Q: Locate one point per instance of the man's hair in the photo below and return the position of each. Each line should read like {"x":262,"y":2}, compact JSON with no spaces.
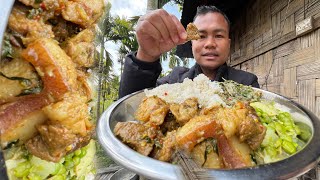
{"x":202,"y":10}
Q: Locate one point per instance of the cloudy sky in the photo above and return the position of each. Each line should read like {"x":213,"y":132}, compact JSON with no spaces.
{"x":127,"y":9}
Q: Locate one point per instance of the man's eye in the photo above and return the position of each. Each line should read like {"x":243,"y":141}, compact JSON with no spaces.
{"x":202,"y":36}
{"x":219,"y":36}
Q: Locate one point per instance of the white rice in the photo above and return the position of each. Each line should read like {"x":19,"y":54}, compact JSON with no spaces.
{"x":201,"y":88}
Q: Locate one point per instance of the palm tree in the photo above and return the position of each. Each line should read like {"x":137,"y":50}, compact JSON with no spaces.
{"x":123,"y":33}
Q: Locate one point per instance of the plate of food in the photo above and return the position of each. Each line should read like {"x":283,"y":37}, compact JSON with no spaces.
{"x":224,"y":130}
{"x":47,"y":94}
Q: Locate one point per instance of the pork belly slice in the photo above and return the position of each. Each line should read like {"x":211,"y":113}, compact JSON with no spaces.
{"x":230,"y":156}
{"x":22,"y":129}
{"x":202,"y":127}
{"x":138,"y":136}
{"x":58,"y":75}
{"x":54,"y":66}
{"x":196,"y":130}
{"x":15,"y":116}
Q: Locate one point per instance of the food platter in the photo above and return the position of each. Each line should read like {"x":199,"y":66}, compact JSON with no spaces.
{"x":123,"y":110}
{"x":34,"y":14}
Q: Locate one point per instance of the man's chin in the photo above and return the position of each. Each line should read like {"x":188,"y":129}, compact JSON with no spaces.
{"x":210,"y":65}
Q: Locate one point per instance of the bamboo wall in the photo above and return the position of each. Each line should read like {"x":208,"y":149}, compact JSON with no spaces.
{"x":264,"y":39}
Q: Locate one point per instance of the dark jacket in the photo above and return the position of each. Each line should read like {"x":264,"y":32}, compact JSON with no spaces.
{"x":138,"y":75}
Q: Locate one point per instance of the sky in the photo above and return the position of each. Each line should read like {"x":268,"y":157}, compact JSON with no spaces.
{"x":127,"y":9}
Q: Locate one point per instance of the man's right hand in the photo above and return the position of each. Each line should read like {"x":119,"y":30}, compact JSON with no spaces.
{"x":158,"y":32}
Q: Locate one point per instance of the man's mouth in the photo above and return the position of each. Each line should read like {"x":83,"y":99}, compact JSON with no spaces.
{"x":211,"y":54}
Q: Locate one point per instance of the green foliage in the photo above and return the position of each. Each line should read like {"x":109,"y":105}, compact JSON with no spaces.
{"x":109,"y":92}
{"x":174,"y":61}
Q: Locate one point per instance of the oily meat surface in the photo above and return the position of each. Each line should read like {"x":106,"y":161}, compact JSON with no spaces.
{"x":192,"y":32}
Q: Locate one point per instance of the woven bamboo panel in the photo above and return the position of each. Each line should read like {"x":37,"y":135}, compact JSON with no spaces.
{"x":318,"y":106}
{"x":307,"y":93}
{"x":317,"y":87}
{"x":266,"y":42}
{"x":290,"y":83}
{"x":300,"y":57}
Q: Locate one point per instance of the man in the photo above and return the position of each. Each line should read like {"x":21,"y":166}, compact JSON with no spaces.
{"x":158,"y":32}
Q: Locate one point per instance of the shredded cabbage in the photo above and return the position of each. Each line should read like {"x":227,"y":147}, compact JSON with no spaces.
{"x":76,"y":165}
{"x":283,"y":137}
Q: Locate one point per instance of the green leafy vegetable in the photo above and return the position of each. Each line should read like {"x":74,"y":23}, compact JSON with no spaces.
{"x":234,"y":92}
{"x":7,"y":50}
{"x":23,"y":81}
{"x":34,"y":13}
{"x":211,"y":146}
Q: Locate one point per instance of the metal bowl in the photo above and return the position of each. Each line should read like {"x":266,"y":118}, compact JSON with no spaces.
{"x":123,"y":110}
{"x":5,"y":10}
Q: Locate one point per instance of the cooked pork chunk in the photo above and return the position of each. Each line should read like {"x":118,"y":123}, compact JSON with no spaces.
{"x":72,"y":112}
{"x":56,"y":137}
{"x":169,"y":124}
{"x":167,"y":148}
{"x":206,"y":154}
{"x":241,"y":120}
{"x":185,"y":111}
{"x":81,"y":48}
{"x":251,"y":130}
{"x":192,"y":32}
{"x":137,"y":136}
{"x":31,"y":29}
{"x":54,"y":142}
{"x":10,"y":88}
{"x":48,"y":5}
{"x":83,"y":12}
{"x":152,"y":110}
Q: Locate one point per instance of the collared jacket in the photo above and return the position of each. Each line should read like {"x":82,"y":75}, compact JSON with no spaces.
{"x":138,"y":75}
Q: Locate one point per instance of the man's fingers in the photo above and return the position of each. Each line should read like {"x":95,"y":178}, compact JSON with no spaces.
{"x":171,"y":26}
{"x":145,"y":27}
{"x":181,"y":31}
{"x":165,"y":24}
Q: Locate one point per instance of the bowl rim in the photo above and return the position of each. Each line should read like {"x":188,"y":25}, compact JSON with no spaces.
{"x":293,"y":166}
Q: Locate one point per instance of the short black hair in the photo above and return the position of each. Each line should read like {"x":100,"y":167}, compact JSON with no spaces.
{"x":202,"y":10}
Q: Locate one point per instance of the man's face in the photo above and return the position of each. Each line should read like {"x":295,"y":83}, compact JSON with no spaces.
{"x":212,"y":50}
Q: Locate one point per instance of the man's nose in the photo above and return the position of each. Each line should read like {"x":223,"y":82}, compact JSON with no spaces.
{"x":210,"y":42}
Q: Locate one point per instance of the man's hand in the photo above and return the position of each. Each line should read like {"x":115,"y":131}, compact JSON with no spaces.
{"x":158,"y":32}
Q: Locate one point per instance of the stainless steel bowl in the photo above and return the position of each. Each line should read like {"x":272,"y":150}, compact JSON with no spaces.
{"x":123,"y":110}
{"x":5,"y":10}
